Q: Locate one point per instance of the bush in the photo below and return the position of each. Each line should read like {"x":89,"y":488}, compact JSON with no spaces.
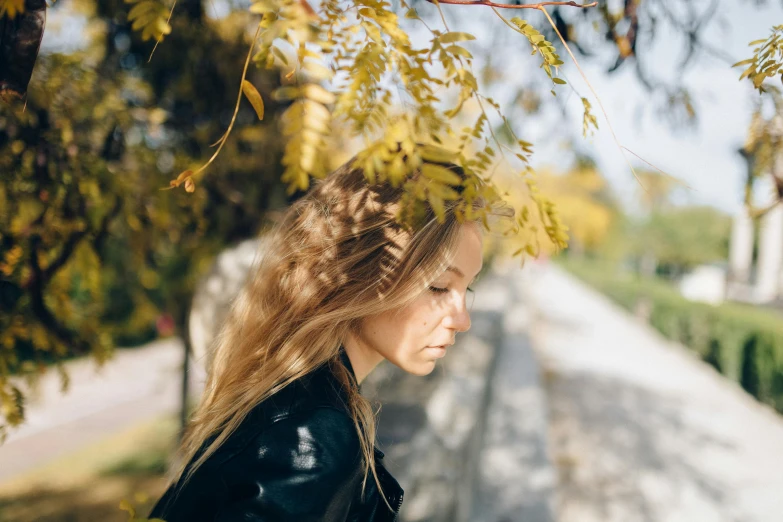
{"x":743,"y":342}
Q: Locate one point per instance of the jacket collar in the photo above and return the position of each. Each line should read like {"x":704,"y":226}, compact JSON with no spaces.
{"x":347,"y":363}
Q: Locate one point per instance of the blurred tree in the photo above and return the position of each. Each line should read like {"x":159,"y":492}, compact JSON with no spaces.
{"x":587,"y":206}
{"x":91,"y":250}
{"x":681,"y":238}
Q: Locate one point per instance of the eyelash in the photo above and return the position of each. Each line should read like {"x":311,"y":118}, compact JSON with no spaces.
{"x":443,"y":290}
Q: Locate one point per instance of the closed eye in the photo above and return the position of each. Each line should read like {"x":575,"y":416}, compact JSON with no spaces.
{"x":439,"y":290}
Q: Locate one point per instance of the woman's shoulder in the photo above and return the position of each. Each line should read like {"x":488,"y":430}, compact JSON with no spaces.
{"x":279,"y":460}
{"x":313,"y":404}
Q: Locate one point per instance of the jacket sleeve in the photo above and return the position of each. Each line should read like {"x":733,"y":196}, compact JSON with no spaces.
{"x":303,"y":468}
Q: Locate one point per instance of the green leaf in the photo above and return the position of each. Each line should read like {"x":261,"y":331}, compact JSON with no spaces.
{"x":559,"y":81}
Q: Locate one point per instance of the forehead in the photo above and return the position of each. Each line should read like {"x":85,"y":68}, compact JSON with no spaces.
{"x":467,"y":258}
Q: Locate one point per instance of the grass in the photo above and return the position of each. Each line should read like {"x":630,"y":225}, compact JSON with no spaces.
{"x":89,"y":484}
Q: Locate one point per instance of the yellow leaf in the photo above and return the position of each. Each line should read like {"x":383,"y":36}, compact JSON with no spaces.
{"x":288,"y":92}
{"x":181,"y":178}
{"x":12,"y":7}
{"x":252,"y":94}
{"x":126,"y":506}
{"x":456,"y":37}
{"x":458,"y":51}
{"x":439,"y":173}
{"x":437,"y":154}
{"x":317,"y":93}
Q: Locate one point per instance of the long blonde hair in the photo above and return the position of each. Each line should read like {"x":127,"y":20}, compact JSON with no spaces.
{"x":337,"y":255}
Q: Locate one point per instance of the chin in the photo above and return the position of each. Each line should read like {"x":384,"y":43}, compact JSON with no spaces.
{"x":422,"y":369}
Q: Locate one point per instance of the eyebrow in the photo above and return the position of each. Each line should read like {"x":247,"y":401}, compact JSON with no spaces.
{"x":459,"y":272}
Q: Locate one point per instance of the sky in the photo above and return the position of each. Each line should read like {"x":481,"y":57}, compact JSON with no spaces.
{"x":705,"y":158}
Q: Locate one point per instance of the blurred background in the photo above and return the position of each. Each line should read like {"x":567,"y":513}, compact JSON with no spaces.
{"x":637,"y":375}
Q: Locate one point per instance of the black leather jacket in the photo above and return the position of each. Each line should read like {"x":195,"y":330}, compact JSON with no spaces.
{"x":294,"y":458}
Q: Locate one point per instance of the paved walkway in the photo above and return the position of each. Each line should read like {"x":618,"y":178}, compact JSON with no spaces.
{"x":136,"y":385}
{"x":640,"y":429}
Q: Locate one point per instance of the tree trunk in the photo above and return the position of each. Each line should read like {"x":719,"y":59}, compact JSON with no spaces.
{"x":182,"y":327}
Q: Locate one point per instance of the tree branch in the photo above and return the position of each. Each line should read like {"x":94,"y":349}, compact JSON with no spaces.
{"x":507,"y":6}
{"x":65,"y":254}
{"x":48,"y":320}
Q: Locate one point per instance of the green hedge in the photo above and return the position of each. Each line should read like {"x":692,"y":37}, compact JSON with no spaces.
{"x":743,"y":342}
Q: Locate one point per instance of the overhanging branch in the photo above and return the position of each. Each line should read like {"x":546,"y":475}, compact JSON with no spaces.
{"x":508,"y":6}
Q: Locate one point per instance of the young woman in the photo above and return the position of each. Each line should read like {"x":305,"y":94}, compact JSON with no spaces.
{"x":282,"y":433}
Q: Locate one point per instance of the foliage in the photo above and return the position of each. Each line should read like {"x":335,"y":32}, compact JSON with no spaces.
{"x":150,"y":17}
{"x":764,"y":135}
{"x":762,"y":148}
{"x":683,"y":237}
{"x":766,"y":60}
{"x":91,"y":251}
{"x":743,"y":342}
{"x":57,"y":202}
{"x":368,"y":45}
{"x":587,"y":205}
{"x":11,"y":8}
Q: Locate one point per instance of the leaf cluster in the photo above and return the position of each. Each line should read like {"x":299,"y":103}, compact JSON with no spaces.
{"x":767,"y":59}
{"x":150,"y":17}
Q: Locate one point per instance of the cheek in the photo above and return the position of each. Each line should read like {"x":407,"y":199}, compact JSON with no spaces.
{"x":390,"y":332}
{"x":422,"y":316}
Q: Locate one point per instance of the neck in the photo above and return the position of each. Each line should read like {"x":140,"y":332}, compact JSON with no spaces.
{"x":363,"y":359}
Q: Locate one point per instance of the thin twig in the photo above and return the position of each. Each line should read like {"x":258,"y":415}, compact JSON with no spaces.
{"x":236,"y":108}
{"x":167,"y":23}
{"x":539,"y":5}
{"x":600,"y":104}
{"x":678,"y":180}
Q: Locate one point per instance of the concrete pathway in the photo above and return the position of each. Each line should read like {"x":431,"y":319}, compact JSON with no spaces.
{"x":640,"y":429}
{"x":136,"y":385}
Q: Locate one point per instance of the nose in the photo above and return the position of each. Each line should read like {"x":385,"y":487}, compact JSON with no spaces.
{"x":460,"y":317}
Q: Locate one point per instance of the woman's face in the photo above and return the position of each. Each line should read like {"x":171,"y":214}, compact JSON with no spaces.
{"x":408,"y":337}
